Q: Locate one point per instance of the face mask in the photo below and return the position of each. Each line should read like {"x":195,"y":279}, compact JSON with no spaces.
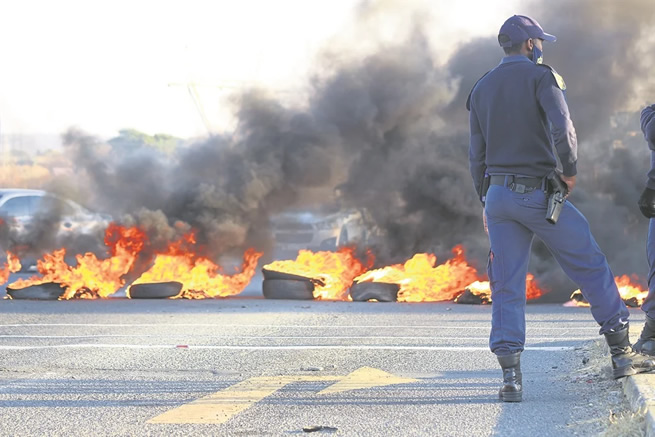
{"x":537,"y":55}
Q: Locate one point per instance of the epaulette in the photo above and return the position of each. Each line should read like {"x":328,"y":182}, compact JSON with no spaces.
{"x":468,"y":99}
{"x":559,"y":79}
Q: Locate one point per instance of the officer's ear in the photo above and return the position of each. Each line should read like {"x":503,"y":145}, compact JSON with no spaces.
{"x":529,"y":44}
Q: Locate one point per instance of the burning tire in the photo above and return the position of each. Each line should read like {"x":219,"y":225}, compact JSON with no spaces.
{"x":288,"y":289}
{"x":155,"y":290}
{"x":46,"y":291}
{"x":273,"y":274}
{"x":470,"y":298}
{"x":380,"y":291}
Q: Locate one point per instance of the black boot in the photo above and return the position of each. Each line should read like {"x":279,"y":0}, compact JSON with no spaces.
{"x":646,"y":343}
{"x":625,"y":361}
{"x":512,"y":390}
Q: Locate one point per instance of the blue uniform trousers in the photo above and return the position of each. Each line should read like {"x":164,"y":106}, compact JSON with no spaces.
{"x":649,"y":303}
{"x":513,"y":219}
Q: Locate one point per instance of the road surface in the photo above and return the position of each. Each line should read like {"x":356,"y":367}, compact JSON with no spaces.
{"x":249,"y":366}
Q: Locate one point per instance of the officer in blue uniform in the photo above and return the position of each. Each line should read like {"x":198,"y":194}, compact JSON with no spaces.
{"x":646,"y":342}
{"x":520,"y":134}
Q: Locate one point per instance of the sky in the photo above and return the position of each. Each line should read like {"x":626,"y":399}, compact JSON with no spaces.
{"x":106,"y":66}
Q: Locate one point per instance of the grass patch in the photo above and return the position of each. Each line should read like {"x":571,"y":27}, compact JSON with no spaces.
{"x":626,"y":424}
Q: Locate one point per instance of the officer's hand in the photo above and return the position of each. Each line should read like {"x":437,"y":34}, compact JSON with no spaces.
{"x":647,"y":203}
{"x":569,"y":181}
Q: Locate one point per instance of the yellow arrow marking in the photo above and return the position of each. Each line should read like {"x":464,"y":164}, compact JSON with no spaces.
{"x":366,"y":377}
{"x":219,"y":407}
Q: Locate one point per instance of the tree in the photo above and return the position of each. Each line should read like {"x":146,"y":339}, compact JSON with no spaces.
{"x":130,"y":139}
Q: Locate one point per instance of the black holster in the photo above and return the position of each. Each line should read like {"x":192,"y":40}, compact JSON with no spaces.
{"x":556,"y":191}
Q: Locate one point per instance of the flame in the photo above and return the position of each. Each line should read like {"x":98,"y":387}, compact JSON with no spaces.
{"x":483,"y":288}
{"x":421,"y":281}
{"x":332,"y":272}
{"x":91,"y":278}
{"x":12,"y":265}
{"x":629,"y":289}
{"x":480,"y":288}
{"x":201,"y":278}
{"x":532,"y":289}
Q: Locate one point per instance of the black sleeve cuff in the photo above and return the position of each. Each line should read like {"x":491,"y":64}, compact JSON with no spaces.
{"x":569,"y":169}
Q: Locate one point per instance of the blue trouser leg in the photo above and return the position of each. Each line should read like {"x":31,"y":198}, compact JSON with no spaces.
{"x":510,"y":243}
{"x":649,"y":303}
{"x":507,"y":268}
{"x":577,"y":252}
{"x":571,"y":243}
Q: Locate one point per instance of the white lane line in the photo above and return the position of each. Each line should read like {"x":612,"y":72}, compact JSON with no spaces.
{"x":170,"y":325}
{"x":295,"y":347}
{"x":284,"y":337}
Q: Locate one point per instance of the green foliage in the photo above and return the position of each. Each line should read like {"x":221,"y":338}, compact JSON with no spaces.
{"x":130,"y":139}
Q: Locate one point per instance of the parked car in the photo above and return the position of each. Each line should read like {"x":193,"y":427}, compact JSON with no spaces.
{"x":22,"y":208}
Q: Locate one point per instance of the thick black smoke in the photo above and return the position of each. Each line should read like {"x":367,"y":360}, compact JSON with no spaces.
{"x":224,"y":188}
{"x":390,"y":128}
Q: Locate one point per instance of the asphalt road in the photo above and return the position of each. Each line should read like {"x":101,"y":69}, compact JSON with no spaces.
{"x":247,"y":366}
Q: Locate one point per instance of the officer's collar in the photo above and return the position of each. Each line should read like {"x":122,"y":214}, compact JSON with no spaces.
{"x":514,"y":58}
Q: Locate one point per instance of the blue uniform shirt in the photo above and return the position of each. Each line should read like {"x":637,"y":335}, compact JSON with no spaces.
{"x":648,"y":128}
{"x":518,"y":113}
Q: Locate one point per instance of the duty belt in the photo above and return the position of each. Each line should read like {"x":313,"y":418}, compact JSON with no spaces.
{"x":516,"y":183}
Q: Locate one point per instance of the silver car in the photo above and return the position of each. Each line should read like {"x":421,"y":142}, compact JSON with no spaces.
{"x":22,"y":208}
{"x":321,"y":228}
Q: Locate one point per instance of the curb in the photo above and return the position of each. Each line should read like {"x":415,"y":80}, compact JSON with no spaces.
{"x":640,"y":391}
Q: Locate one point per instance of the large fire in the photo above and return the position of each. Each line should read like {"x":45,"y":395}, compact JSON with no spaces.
{"x":91,"y":278}
{"x":332,"y":272}
{"x":421,"y":280}
{"x":629,"y":289}
{"x":201,"y":278}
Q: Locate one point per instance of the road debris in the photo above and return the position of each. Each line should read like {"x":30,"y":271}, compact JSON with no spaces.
{"x":319,"y":428}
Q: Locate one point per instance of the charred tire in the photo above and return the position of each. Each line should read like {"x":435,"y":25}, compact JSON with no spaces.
{"x":468,"y":298}
{"x":287,"y":289}
{"x":155,"y":290}
{"x":272,"y":274}
{"x":380,"y":291}
{"x":46,"y":291}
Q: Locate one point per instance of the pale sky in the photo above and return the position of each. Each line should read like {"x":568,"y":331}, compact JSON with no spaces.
{"x":104,"y":66}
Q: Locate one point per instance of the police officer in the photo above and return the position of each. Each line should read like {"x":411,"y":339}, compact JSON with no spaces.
{"x":520,"y":133}
{"x":646,"y":342}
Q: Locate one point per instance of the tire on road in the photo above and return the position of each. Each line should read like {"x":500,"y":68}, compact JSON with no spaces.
{"x":155,"y":290}
{"x":468,"y":298}
{"x":45,"y":291}
{"x":288,"y":289}
{"x":273,"y":274}
{"x":380,"y":291}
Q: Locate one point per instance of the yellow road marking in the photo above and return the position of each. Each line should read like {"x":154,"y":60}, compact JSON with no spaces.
{"x":366,"y":377}
{"x":220,"y":407}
